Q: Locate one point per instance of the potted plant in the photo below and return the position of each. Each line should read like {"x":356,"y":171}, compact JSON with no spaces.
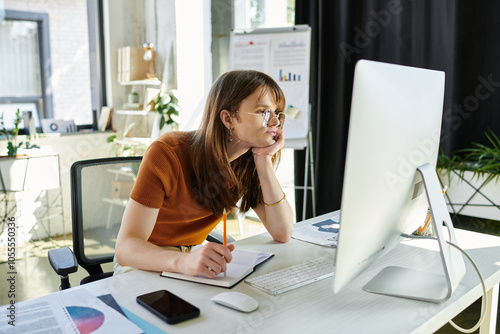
{"x":166,"y":104}
{"x":11,"y":135}
{"x":472,"y":176}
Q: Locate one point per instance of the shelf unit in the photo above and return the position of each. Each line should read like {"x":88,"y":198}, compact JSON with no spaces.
{"x":141,"y":85}
{"x":148,"y":82}
{"x":144,"y":120}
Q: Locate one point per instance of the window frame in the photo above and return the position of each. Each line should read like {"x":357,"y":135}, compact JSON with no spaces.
{"x":44,"y":101}
{"x":95,"y":14}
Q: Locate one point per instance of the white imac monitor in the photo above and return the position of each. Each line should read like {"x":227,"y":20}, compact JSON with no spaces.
{"x":390,"y":178}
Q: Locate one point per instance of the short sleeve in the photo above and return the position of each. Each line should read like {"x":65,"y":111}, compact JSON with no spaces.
{"x":157,"y":177}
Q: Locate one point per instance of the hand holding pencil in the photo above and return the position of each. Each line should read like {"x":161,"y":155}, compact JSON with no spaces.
{"x":211,"y":259}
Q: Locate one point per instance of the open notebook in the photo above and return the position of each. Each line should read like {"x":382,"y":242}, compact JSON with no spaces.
{"x":242,"y":264}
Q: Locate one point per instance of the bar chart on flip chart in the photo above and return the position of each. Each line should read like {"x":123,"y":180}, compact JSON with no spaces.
{"x":284,"y":54}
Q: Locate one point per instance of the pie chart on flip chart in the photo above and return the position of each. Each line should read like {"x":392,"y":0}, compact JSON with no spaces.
{"x":86,"y":319}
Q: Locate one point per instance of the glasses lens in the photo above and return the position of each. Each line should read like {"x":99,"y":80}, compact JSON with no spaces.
{"x":266,"y":116}
{"x":279,"y":118}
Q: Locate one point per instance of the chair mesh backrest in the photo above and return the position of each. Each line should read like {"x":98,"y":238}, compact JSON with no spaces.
{"x":102,"y":192}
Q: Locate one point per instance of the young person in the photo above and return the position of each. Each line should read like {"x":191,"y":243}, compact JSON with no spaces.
{"x":187,"y":179}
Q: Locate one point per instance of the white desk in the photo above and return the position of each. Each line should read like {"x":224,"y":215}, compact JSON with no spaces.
{"x":314,"y":308}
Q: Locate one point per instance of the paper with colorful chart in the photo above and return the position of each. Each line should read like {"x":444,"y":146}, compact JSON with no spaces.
{"x":69,"y":311}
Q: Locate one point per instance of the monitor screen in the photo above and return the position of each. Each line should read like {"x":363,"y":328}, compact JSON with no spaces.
{"x":395,"y":127}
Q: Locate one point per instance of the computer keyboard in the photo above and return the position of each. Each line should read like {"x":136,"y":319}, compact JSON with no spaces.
{"x":286,"y":279}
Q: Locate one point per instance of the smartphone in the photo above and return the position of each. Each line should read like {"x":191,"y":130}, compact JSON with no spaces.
{"x":168,"y":307}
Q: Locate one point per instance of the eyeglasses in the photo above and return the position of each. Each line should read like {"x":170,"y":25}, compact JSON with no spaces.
{"x":266,"y":117}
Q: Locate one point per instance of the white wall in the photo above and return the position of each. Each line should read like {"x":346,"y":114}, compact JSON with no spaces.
{"x":194,"y":37}
{"x":123,"y":22}
{"x":160,"y":29}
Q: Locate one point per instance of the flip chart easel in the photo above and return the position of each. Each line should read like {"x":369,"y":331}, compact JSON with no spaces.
{"x":284,"y":54}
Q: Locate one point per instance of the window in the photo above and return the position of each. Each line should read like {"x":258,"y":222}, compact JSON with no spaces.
{"x":24,"y":66}
{"x":64,"y":63}
{"x":244,"y":15}
{"x":253,"y":14}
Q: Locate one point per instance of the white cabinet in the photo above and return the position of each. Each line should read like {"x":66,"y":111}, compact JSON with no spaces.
{"x":30,"y":194}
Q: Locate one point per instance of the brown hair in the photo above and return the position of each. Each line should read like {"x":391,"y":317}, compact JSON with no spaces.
{"x":217,"y":183}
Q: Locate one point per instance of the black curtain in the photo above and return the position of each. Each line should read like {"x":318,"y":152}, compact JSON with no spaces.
{"x":457,"y":37}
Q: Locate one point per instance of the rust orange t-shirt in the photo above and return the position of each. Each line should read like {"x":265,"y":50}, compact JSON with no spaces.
{"x":164,"y":182}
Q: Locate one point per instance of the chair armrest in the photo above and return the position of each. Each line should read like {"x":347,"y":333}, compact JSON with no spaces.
{"x":63,"y":261}
{"x":218,"y":237}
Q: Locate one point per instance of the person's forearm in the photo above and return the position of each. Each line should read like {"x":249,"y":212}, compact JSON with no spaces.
{"x":140,"y":254}
{"x":278,"y":215}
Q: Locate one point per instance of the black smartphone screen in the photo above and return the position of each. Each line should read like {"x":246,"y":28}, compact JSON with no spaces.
{"x":169,"y":307}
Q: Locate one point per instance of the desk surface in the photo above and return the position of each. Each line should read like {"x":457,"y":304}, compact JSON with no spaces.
{"x":315,"y":308}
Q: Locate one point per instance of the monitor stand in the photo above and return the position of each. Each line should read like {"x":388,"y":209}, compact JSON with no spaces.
{"x":414,"y":284}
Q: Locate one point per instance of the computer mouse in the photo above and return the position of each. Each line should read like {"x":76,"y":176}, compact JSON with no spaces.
{"x":236,"y":300}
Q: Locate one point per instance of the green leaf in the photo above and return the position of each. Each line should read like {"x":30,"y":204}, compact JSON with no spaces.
{"x":479,"y":158}
{"x":162,"y":122}
{"x":111,"y":138}
{"x":166,"y":105}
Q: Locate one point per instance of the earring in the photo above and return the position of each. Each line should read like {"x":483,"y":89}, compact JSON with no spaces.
{"x":229,"y":134}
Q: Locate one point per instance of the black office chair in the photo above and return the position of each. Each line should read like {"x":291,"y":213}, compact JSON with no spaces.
{"x":100,"y":190}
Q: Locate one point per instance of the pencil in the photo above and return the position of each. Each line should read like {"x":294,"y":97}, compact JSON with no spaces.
{"x":422,"y":229}
{"x":225,"y":219}
{"x":224,"y":215}
{"x":429,"y":215}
